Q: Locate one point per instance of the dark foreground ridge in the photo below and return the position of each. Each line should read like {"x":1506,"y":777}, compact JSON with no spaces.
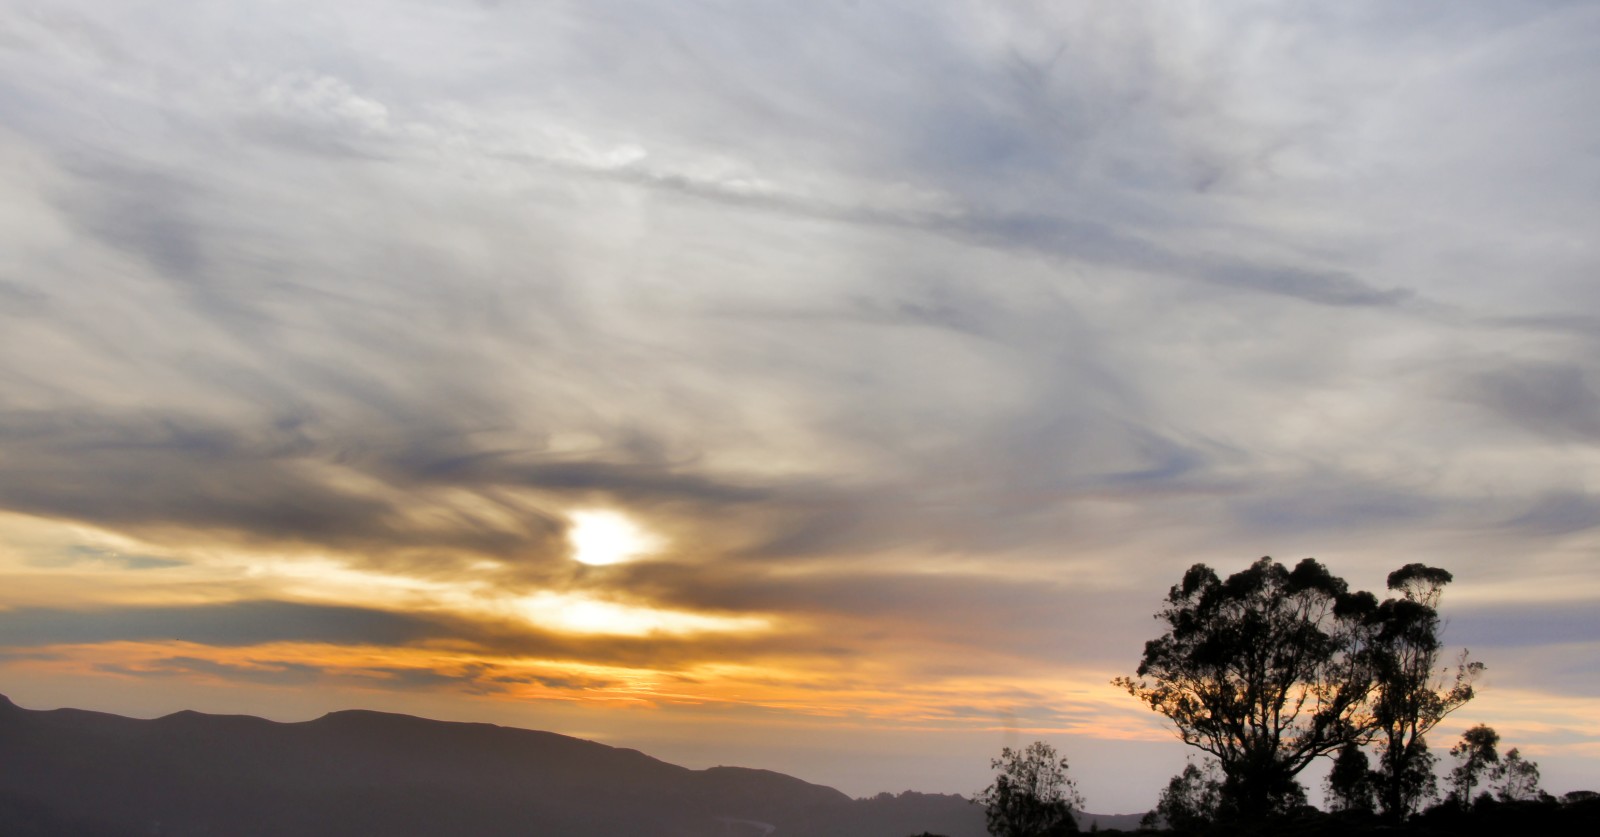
{"x":90,"y":774}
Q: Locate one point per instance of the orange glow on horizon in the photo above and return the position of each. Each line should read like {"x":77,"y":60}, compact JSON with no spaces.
{"x":878,"y":698}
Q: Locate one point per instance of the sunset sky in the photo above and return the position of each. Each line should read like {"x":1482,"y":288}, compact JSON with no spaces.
{"x":831,"y":387}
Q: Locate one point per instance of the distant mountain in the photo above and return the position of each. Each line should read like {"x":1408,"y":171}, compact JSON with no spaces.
{"x":89,"y":774}
{"x":1109,"y":822}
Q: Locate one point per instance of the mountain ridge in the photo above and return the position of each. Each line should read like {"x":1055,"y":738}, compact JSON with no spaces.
{"x":72,"y":771}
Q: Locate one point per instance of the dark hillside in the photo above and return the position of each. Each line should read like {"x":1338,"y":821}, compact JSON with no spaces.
{"x":75,"y":772}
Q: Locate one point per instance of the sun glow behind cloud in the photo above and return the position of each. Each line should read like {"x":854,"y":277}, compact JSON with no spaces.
{"x":600,"y":538}
{"x":562,"y":611}
{"x":47,"y":563}
{"x":590,"y":615}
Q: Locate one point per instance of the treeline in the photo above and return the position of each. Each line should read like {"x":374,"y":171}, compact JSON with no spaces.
{"x":1272,"y":668}
{"x":1486,"y":793}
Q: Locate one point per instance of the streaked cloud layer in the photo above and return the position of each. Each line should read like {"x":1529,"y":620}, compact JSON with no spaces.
{"x":929,"y":342}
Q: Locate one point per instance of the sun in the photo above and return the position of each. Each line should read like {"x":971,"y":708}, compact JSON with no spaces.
{"x":599,"y":538}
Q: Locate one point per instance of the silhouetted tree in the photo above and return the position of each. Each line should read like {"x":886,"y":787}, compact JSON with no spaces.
{"x":1410,"y":693}
{"x":1264,"y":671}
{"x":1032,"y":795}
{"x":1190,"y":800}
{"x":1516,"y":779}
{"x":1350,"y":785}
{"x":1475,"y":754}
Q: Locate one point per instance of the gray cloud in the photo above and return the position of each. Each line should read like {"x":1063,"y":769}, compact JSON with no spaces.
{"x":148,"y":213}
{"x":271,"y":672}
{"x":1329,"y":501}
{"x":1558,"y":513}
{"x":154,"y":470}
{"x":1552,"y":399}
{"x":233,"y":624}
{"x":1521,"y":626}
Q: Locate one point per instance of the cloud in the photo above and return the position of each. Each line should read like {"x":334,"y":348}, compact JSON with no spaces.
{"x":78,"y":555}
{"x":1521,"y":626}
{"x":1558,"y":513}
{"x":152,"y":471}
{"x":1329,"y":501}
{"x":232,"y":624}
{"x":246,"y":624}
{"x":271,"y":672}
{"x":473,"y":678}
{"x":1552,"y":399}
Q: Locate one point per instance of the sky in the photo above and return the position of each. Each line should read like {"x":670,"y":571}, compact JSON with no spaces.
{"x":829,"y":387}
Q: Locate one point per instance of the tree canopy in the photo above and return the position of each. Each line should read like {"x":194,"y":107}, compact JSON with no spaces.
{"x":1032,"y":795}
{"x":1260,"y":670}
{"x":1272,"y":668}
{"x":1190,"y":799}
{"x":1412,"y":693}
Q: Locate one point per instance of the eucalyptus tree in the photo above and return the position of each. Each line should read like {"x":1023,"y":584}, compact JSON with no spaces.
{"x":1477,"y":754}
{"x":1349,"y":783}
{"x":1412,"y":693}
{"x":1517,"y":779}
{"x":1266,"y":671}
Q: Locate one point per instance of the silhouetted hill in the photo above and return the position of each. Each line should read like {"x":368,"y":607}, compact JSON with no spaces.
{"x":69,"y":771}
